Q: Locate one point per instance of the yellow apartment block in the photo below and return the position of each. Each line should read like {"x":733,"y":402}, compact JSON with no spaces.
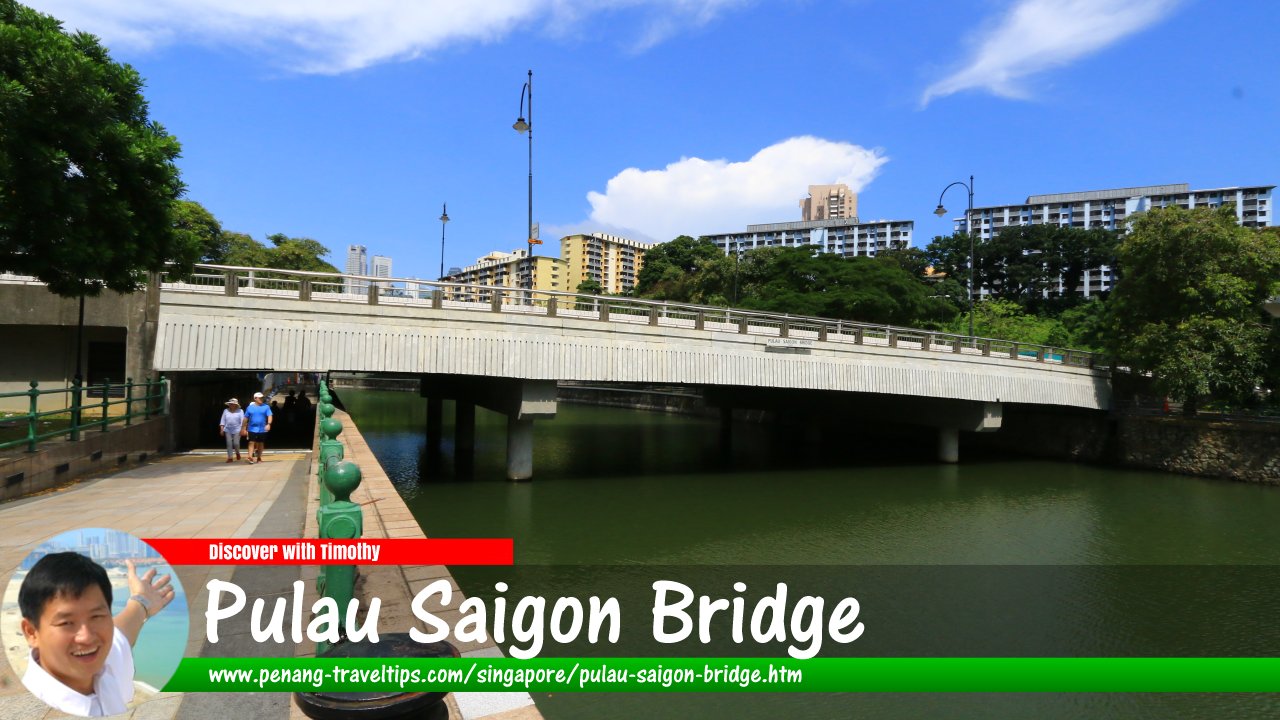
{"x":514,"y":269}
{"x":612,"y":261}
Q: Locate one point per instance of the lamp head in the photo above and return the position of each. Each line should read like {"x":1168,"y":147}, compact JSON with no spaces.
{"x":940,"y":211}
{"x":520,"y":125}
{"x":444,"y":217}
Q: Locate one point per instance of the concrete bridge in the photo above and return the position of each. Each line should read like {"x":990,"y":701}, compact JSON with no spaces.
{"x":506,"y":348}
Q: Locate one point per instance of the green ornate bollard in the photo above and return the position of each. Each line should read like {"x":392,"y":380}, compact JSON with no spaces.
{"x":340,"y":520}
{"x":33,"y":418}
{"x":128,"y":401}
{"x":76,"y":397}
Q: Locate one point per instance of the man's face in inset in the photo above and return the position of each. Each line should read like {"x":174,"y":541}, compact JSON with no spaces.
{"x":73,"y":637}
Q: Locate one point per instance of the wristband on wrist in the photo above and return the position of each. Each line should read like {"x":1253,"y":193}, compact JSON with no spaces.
{"x":146,"y":606}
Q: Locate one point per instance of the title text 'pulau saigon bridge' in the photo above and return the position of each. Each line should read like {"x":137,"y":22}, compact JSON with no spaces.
{"x":506,"y":348}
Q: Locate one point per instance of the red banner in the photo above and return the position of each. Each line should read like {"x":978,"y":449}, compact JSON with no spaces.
{"x":297,"y":551}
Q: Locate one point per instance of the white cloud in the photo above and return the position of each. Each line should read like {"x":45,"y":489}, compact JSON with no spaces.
{"x":698,"y":197}
{"x":332,"y":37}
{"x":1036,"y":35}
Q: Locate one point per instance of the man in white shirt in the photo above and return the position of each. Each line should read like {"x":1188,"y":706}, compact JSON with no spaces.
{"x":81,"y":657}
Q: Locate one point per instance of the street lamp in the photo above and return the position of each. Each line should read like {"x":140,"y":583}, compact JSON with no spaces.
{"x":444,"y":218}
{"x":968,"y":227}
{"x":521,"y":126}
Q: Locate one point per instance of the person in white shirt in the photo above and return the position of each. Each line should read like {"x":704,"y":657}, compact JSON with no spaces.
{"x":81,"y":657}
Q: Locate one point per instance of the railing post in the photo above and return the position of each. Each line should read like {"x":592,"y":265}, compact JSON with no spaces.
{"x":231,"y":284}
{"x":653,"y":315}
{"x":437,"y":299}
{"x":926,"y":342}
{"x":1013,"y":351}
{"x":1040,"y":355}
{"x":551,"y":306}
{"x":128,"y":402}
{"x":495,"y":300}
{"x":76,"y":397}
{"x":603,"y":306}
{"x":857,"y":336}
{"x":340,"y":520}
{"x":955,"y":345}
{"x":106,"y":400}
{"x":893,"y":338}
{"x":304,"y":289}
{"x":744,"y":326}
{"x":822,"y":333}
{"x":31,"y":418}
{"x":784,"y":330}
{"x":373,"y":293}
{"x":700,"y":320}
{"x":986,"y":348}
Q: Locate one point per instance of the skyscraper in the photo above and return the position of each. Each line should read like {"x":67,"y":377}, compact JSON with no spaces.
{"x":357,"y":264}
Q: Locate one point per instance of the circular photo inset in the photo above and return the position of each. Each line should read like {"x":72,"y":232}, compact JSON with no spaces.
{"x":94,"y":622}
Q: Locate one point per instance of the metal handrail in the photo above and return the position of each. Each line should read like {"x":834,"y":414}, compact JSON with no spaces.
{"x":501,"y":298}
{"x":152,"y":400}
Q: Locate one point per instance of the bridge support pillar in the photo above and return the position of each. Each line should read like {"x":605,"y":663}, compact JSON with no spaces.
{"x":948,"y":445}
{"x":519,"y":448}
{"x":464,"y":437}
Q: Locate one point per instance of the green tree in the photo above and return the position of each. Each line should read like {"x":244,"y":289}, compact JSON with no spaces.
{"x":244,"y":251}
{"x":198,"y":227}
{"x":589,"y":287}
{"x":1187,"y":306}
{"x":297,"y":254}
{"x":795,"y":280}
{"x":671,"y":268}
{"x":88,"y":180}
{"x":1006,"y":320}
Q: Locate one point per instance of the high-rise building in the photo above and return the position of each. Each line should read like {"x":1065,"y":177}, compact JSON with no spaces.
{"x":357,"y":264}
{"x":830,"y":202}
{"x":514,"y":269}
{"x":1110,"y":208}
{"x":610,"y":260}
{"x":849,"y":238}
{"x":380,"y":266}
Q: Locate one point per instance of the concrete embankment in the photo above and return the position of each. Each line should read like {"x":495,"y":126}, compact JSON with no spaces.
{"x":387,"y":516}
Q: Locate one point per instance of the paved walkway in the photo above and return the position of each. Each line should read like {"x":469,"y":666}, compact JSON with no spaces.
{"x":202,"y":496}
{"x":176,"y":496}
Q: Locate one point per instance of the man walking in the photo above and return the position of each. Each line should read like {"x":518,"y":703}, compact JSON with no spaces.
{"x":258,"y":415}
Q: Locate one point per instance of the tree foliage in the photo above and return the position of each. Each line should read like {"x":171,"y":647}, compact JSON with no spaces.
{"x":682,"y":271}
{"x":1188,"y":305}
{"x":285,"y":253}
{"x":199,"y":228}
{"x":87,"y":179}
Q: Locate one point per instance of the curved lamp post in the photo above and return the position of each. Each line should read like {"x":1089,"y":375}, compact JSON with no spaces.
{"x":968,"y":228}
{"x":522,"y":126}
{"x":444,"y":218}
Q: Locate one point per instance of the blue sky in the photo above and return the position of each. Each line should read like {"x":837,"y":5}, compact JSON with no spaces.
{"x":354,"y":122}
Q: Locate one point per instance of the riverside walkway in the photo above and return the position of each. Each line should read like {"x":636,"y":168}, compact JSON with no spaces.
{"x":202,"y":496}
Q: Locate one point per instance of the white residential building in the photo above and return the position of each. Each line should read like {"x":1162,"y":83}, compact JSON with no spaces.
{"x":1110,"y":208}
{"x":846,"y":237}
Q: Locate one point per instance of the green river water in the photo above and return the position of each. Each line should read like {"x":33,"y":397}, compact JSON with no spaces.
{"x":995,"y":556}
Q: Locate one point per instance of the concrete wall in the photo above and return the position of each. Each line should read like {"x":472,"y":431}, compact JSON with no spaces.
{"x":39,"y":331}
{"x":56,"y":462}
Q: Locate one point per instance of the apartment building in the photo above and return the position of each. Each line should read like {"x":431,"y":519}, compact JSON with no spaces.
{"x":1110,"y":209}
{"x":846,"y":237}
{"x":514,"y":269}
{"x":829,"y":202}
{"x":610,"y":260}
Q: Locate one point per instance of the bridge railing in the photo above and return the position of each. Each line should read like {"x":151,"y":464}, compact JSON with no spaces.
{"x":71,"y":416}
{"x":331,"y":287}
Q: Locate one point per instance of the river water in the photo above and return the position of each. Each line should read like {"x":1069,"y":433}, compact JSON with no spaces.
{"x":995,"y":556}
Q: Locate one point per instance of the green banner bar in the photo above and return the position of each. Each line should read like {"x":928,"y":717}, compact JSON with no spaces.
{"x":729,"y":675}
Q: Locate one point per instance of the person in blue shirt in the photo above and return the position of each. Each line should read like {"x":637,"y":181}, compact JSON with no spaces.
{"x":258,"y":416}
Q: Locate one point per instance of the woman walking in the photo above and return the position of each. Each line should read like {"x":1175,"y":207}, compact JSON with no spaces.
{"x":230,"y":426}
